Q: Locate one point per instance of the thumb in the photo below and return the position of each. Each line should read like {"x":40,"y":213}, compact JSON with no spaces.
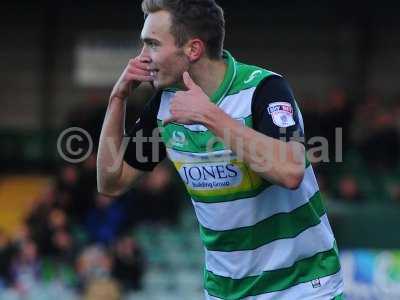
{"x":188,"y":81}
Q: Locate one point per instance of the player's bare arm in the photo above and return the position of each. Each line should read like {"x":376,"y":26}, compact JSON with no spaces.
{"x":114,"y":176}
{"x":277,"y":161}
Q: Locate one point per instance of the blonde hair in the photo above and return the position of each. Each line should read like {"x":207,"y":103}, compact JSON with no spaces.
{"x":203,"y":19}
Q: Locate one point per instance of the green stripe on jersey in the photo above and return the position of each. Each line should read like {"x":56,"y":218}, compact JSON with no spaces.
{"x":279,"y":226}
{"x":194,"y":141}
{"x":320,"y":265}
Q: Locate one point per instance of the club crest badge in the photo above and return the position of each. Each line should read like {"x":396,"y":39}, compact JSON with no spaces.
{"x":316,"y":283}
{"x":281,"y":113}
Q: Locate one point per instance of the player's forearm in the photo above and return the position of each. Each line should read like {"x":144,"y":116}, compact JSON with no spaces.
{"x":276,"y":161}
{"x":109,"y":157}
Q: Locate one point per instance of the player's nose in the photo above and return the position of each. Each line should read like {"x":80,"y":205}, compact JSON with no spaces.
{"x":144,"y":56}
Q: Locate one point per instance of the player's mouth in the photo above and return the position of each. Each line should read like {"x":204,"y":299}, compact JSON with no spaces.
{"x":154,"y":72}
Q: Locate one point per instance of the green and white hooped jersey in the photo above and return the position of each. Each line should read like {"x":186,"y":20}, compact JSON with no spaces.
{"x":261,"y":241}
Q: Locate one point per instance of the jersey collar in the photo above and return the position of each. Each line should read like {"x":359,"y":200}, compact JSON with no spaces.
{"x":228,"y":80}
{"x":226,"y":84}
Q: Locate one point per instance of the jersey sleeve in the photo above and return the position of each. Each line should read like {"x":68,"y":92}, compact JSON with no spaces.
{"x":145,"y":148}
{"x":275,"y":111}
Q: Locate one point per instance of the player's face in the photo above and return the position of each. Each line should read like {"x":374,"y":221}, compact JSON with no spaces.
{"x":167,"y":62}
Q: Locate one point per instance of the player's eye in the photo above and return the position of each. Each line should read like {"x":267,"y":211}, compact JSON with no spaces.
{"x":152,"y":44}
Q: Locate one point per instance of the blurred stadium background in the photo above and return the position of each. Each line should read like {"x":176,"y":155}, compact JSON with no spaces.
{"x":58,"y":62}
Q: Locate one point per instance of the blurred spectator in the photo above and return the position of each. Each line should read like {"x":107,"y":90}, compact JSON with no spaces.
{"x":60,"y":265}
{"x":381,"y":149}
{"x":310,"y":108}
{"x":103,"y":289}
{"x":376,"y":135}
{"x":157,"y":197}
{"x":89,"y":114}
{"x":396,"y":113}
{"x":63,"y":245}
{"x":94,"y":263}
{"x":323,"y":184}
{"x":38,"y":216}
{"x":22,"y":234}
{"x":26,"y":267}
{"x":128,"y":263}
{"x":84,"y":198}
{"x":75,"y":188}
{"x":68,"y":177}
{"x":67,"y":181}
{"x":6,"y":253}
{"x":336,"y":113}
{"x":55,"y":220}
{"x":348,"y":189}
{"x":106,"y":220}
{"x":394,"y":190}
{"x":365,"y":112}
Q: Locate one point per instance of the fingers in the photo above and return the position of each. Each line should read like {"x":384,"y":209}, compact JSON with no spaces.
{"x":138,"y":71}
{"x":138,"y":77}
{"x":135,"y":64}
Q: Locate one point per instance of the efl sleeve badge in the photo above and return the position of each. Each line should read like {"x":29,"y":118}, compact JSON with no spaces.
{"x":281,"y":113}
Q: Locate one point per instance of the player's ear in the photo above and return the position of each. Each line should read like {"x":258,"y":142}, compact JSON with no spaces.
{"x":194,"y":49}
